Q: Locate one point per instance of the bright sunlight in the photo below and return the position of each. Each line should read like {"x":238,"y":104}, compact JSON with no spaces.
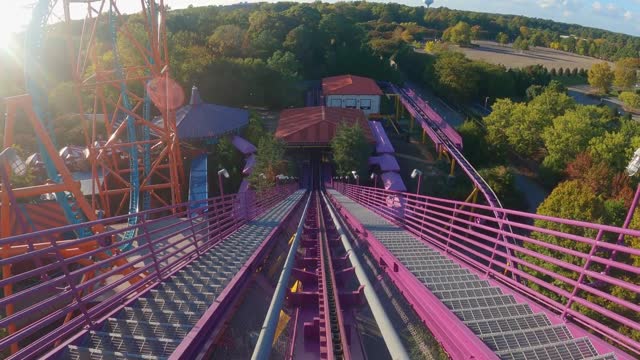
{"x":13,"y":18}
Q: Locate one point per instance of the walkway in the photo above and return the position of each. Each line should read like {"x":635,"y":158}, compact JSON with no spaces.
{"x":509,"y":328}
{"x":155,"y":325}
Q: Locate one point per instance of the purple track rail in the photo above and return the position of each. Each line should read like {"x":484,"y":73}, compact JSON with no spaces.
{"x":445,"y":136}
{"x":472,"y":237}
{"x":440,"y":135}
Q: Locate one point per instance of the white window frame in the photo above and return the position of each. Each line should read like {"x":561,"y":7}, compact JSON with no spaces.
{"x":363,"y":102}
{"x":336,"y":103}
{"x":347,"y":103}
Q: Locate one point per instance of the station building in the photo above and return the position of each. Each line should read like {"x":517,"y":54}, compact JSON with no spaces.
{"x":352,"y":92}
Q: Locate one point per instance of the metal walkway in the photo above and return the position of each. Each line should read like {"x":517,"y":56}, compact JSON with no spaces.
{"x":154,"y":326}
{"x":509,"y":328}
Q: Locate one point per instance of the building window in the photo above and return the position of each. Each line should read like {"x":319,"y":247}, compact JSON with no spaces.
{"x":350,"y":103}
{"x":336,"y":103}
{"x":365,"y":104}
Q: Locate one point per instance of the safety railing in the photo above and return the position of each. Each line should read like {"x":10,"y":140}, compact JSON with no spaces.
{"x":560,"y":262}
{"x":60,"y":286}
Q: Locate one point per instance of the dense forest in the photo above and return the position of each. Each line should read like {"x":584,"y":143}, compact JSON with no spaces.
{"x":250,"y":47}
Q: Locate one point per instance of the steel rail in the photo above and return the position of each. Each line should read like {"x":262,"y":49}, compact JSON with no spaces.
{"x":389,"y":334}
{"x":267,"y":333}
{"x":337,"y":345}
{"x":472,"y":173}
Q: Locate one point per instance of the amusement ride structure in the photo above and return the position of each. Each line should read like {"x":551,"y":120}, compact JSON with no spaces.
{"x":137,"y":273}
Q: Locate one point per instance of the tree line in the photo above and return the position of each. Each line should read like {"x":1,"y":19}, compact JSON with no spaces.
{"x":527,"y":32}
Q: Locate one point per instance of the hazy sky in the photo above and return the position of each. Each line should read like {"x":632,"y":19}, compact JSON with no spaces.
{"x":616,"y":15}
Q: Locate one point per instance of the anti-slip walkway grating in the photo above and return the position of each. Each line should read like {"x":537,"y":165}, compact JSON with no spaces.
{"x":153,"y":326}
{"x":509,"y":328}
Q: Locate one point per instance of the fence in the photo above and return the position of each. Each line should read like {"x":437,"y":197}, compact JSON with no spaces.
{"x":558,"y":263}
{"x":56,"y":287}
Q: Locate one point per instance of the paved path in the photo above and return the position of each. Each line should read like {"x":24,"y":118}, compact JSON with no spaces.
{"x":580,"y":95}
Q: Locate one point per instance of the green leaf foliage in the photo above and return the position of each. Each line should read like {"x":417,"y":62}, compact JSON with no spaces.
{"x":570,"y":134}
{"x":270,"y":162}
{"x":350,"y":149}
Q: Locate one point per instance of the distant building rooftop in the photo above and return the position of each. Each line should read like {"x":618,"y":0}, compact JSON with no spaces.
{"x":349,"y":85}
{"x":199,"y":120}
{"x":317,"y":125}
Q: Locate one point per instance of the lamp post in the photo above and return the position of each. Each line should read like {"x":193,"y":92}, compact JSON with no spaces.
{"x":221,"y":173}
{"x":355,"y":176}
{"x":374,"y":177}
{"x":417,"y":173}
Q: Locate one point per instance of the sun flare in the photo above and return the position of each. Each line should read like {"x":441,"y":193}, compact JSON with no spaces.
{"x":11,"y":22}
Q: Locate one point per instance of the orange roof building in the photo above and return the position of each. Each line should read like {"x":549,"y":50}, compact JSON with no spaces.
{"x":352,"y":92}
{"x":316,"y":126}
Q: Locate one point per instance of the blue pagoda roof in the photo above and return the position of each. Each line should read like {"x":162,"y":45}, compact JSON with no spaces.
{"x":199,"y":120}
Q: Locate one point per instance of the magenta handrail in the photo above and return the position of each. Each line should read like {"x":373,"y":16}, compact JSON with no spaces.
{"x":71,"y":278}
{"x":576,"y":287}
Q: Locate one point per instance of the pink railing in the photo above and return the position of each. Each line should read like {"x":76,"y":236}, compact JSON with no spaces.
{"x":558,"y":263}
{"x":74,"y":278}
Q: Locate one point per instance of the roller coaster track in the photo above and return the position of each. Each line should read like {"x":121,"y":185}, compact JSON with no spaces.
{"x":452,"y":149}
{"x":473,"y":175}
{"x":134,"y":175}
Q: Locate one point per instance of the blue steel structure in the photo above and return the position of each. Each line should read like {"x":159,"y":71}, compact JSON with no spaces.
{"x":134,"y":174}
{"x":34,"y":37}
{"x":198,"y":182}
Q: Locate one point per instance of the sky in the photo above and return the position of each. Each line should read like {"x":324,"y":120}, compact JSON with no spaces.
{"x":615,"y":15}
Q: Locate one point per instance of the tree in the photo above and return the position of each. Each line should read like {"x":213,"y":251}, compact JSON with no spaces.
{"x":569,"y":200}
{"x":515,"y":125}
{"x":520,"y":126}
{"x":433,"y":47}
{"x":456,"y":75}
{"x":630,"y":99}
{"x":285,"y":63}
{"x":520,"y":44}
{"x":502,"y":38}
{"x":610,"y":149}
{"x":269,"y":162}
{"x":475,"y":32}
{"x":596,"y":175}
{"x":459,"y":34}
{"x":227,"y":41}
{"x":476,"y":148}
{"x":554,"y":72}
{"x":350,"y":149}
{"x":551,"y":104}
{"x":557,"y":87}
{"x":533,"y":91}
{"x":560,"y":71}
{"x":502,"y":181}
{"x":601,"y":77}
{"x":625,"y":72}
{"x":570,"y":134}
{"x":255,"y":130}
